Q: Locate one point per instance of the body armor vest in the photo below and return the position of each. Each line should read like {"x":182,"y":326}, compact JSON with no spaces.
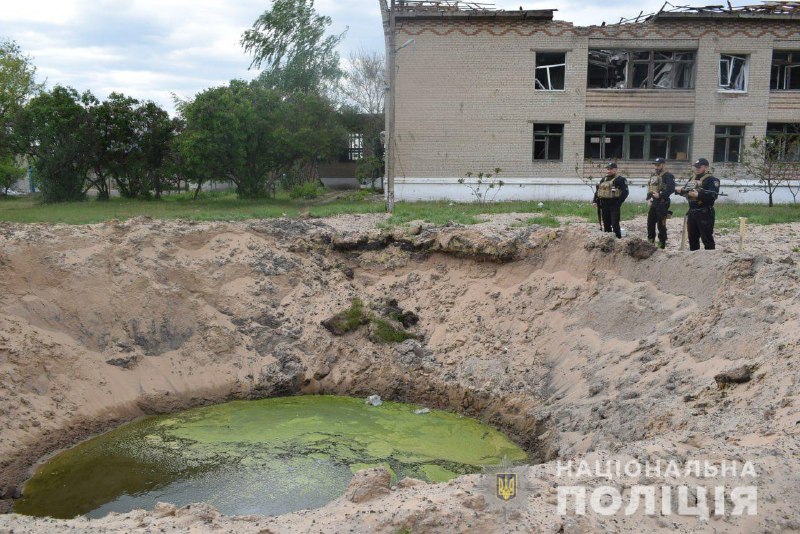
{"x":655,"y":184}
{"x":698,"y":186}
{"x":606,"y":189}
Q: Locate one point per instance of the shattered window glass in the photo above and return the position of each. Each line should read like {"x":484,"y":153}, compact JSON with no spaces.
{"x":551,"y":70}
{"x":547,"y":141}
{"x":608,"y":69}
{"x":637,"y":141}
{"x":785,"y":71}
{"x":660,"y":69}
{"x":733,"y":72}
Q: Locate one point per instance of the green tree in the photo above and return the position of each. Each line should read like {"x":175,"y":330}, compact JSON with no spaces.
{"x":56,"y":129}
{"x":17,"y":85}
{"x":289,"y":43}
{"x":156,"y":133}
{"x":10,"y":173}
{"x":252,"y":135}
{"x":130,"y":144}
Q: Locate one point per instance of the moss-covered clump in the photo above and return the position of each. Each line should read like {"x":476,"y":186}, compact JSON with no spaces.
{"x":383,"y":331}
{"x":347,"y":320}
{"x":387,"y":326}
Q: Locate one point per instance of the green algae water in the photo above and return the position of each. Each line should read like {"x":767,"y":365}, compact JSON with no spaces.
{"x":267,"y":457}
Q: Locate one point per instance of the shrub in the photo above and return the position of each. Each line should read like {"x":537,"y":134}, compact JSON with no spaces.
{"x":307,"y":190}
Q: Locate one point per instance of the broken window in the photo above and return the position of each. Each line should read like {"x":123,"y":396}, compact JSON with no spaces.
{"x":785,"y":141}
{"x":608,"y":69}
{"x":785,"y":71}
{"x":733,"y":72}
{"x":547,"y":141}
{"x":551,"y":68}
{"x":728,"y":143}
{"x":645,"y":69}
{"x":637,"y":141}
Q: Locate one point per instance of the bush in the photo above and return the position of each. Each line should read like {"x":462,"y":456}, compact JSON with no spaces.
{"x":307,"y":190}
{"x":10,"y":173}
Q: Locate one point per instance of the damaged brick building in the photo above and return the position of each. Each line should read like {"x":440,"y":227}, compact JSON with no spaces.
{"x":545,"y":100}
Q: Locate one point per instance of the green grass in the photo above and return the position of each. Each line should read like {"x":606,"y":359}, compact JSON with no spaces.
{"x":226,"y":206}
{"x":727,"y":215}
{"x":387,"y":333}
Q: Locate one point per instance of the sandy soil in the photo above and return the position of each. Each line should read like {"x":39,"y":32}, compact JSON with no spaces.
{"x":578,"y":346}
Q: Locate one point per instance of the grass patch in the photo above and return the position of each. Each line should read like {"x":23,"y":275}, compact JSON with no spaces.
{"x":727,"y":214}
{"x":225,"y":206}
{"x":384,"y":331}
{"x":347,"y":320}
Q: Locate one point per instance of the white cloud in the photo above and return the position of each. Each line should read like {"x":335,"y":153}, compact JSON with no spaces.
{"x":149,"y":49}
{"x":57,"y":12}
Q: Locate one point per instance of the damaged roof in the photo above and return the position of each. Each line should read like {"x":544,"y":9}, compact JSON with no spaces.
{"x":457,"y":9}
{"x":437,"y":9}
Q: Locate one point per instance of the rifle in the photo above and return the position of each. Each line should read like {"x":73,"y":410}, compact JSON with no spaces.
{"x":599,"y":216}
{"x":690,"y":186}
{"x":685,"y":192}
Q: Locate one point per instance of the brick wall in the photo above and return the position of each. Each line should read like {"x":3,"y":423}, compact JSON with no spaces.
{"x":466,"y":100}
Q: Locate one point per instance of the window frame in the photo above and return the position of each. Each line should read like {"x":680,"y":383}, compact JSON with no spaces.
{"x":536,"y":67}
{"x":727,"y":136}
{"x":746,"y":69}
{"x":786,"y":131}
{"x":355,"y":146}
{"x":647,"y":133}
{"x":547,"y":135}
{"x":632,"y":61}
{"x":789,"y":63}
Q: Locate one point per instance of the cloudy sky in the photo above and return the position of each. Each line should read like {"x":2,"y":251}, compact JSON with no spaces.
{"x":150,"y":49}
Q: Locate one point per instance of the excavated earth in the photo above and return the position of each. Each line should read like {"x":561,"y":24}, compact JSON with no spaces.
{"x":577,"y":346}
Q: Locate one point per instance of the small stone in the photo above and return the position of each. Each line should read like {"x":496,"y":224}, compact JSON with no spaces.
{"x":374,"y":400}
{"x":369,"y":484}
{"x":422,"y":411}
{"x":126,"y":362}
{"x":738,"y":375}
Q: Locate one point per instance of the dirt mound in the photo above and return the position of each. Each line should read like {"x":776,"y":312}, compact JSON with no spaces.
{"x":572,"y":342}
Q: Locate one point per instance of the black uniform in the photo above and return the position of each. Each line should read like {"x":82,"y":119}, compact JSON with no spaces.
{"x":659,"y":208}
{"x":700,"y":218}
{"x":610,"y":207}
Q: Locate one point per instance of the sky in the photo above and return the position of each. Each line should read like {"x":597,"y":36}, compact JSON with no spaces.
{"x":154,"y":49}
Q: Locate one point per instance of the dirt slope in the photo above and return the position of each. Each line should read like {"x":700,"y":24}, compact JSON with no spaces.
{"x":574,"y":344}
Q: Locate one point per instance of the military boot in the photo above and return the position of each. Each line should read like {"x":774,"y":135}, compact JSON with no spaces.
{"x":662,"y":244}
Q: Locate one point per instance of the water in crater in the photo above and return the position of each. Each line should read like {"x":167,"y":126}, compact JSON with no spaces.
{"x":267,"y":457}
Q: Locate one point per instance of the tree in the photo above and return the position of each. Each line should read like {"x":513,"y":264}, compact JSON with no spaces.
{"x":289,"y":42}
{"x":17,"y":85}
{"x":251,"y":135}
{"x":113,"y":142}
{"x":56,"y":129}
{"x":130,"y":144}
{"x":365,"y":81}
{"x":772,"y":161}
{"x":156,"y":132}
{"x":10,"y":173}
{"x":365,"y":88}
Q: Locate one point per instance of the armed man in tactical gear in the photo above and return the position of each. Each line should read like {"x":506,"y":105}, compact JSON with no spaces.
{"x":701,"y":196}
{"x":610,"y":194}
{"x":659,"y":188}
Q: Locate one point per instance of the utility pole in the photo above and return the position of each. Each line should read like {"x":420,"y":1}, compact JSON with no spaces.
{"x":391,"y":57}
